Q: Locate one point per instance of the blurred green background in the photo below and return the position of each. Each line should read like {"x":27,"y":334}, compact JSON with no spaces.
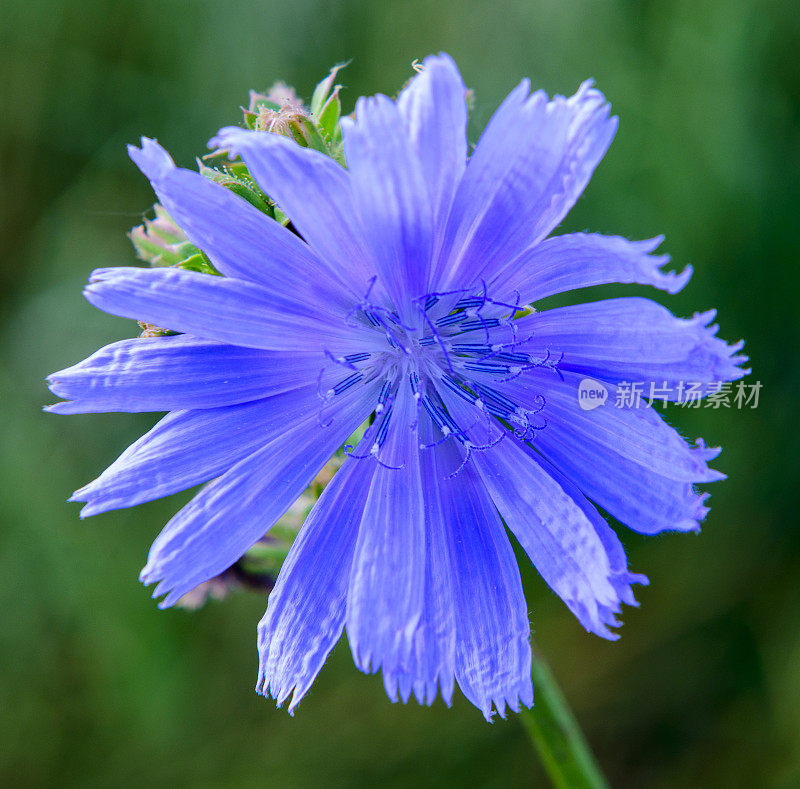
{"x":98,"y":688}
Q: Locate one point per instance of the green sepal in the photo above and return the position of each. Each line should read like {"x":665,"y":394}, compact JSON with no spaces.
{"x":328,"y":117}
{"x":237,"y":178}
{"x":323,"y":89}
{"x":305,"y":132}
{"x":280,"y":216}
{"x":199,"y":263}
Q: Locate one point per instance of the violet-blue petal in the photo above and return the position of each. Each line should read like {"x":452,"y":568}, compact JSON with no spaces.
{"x":493,"y":652}
{"x":433,"y":107}
{"x":239,"y":239}
{"x":392,"y":199}
{"x":189,"y":447}
{"x":591,"y":130}
{"x":234,"y":511}
{"x":387,"y":582}
{"x":217,"y":308}
{"x":313,"y":191}
{"x":634,"y":340}
{"x":580,"y":260}
{"x":176,"y":372}
{"x":627,"y":460}
{"x":431,"y":663}
{"x":530,"y":165}
{"x":561,"y":533}
{"x":306,"y":609}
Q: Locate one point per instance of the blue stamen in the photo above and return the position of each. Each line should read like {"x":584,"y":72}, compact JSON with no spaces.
{"x":383,"y":429}
{"x":346,"y":383}
{"x":352,"y":358}
{"x":470,"y":301}
{"x":451,"y":319}
{"x":466,"y":347}
{"x":455,"y":387}
{"x":495,"y":399}
{"x":483,"y":367}
{"x":480,"y":323}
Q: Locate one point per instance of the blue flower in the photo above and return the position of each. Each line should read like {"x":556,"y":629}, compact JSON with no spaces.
{"x":402,"y":300}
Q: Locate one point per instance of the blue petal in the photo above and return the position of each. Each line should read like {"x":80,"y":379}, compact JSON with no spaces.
{"x":234,"y":511}
{"x":580,"y":260}
{"x":306,"y":609}
{"x":189,"y":447}
{"x":314,"y":191}
{"x":392,"y":199}
{"x":530,"y":165}
{"x":240,"y":240}
{"x":431,"y":664}
{"x":387,"y":582}
{"x":627,"y":460}
{"x":493,"y":653}
{"x":219,"y":308}
{"x":178,"y":372}
{"x":434,"y":109}
{"x":564,"y":536}
{"x":634,"y":340}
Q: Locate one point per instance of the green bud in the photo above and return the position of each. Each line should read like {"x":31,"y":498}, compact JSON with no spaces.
{"x":324,"y":89}
{"x":154,"y":240}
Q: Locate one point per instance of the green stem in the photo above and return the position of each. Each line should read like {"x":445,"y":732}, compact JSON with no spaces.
{"x":555,"y":734}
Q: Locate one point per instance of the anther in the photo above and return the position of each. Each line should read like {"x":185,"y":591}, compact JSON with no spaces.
{"x":346,"y":383}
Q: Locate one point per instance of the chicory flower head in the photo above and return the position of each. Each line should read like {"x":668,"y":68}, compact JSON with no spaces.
{"x":403,"y":299}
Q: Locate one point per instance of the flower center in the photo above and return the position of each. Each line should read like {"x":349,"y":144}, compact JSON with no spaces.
{"x":453,"y":361}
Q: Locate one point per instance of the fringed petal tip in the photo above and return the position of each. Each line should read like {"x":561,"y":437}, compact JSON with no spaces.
{"x":55,"y":384}
{"x":84,"y":496}
{"x":401,"y":686}
{"x":670,"y":281}
{"x":604,"y":614}
{"x":701,"y":455}
{"x":151,"y":575}
{"x":86,"y":511}
{"x":280,"y":689}
{"x":521,"y":696}
{"x":64,"y":407}
{"x":705,"y":455}
{"x":699,"y":511}
{"x":723,"y":359}
{"x":151,"y":159}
